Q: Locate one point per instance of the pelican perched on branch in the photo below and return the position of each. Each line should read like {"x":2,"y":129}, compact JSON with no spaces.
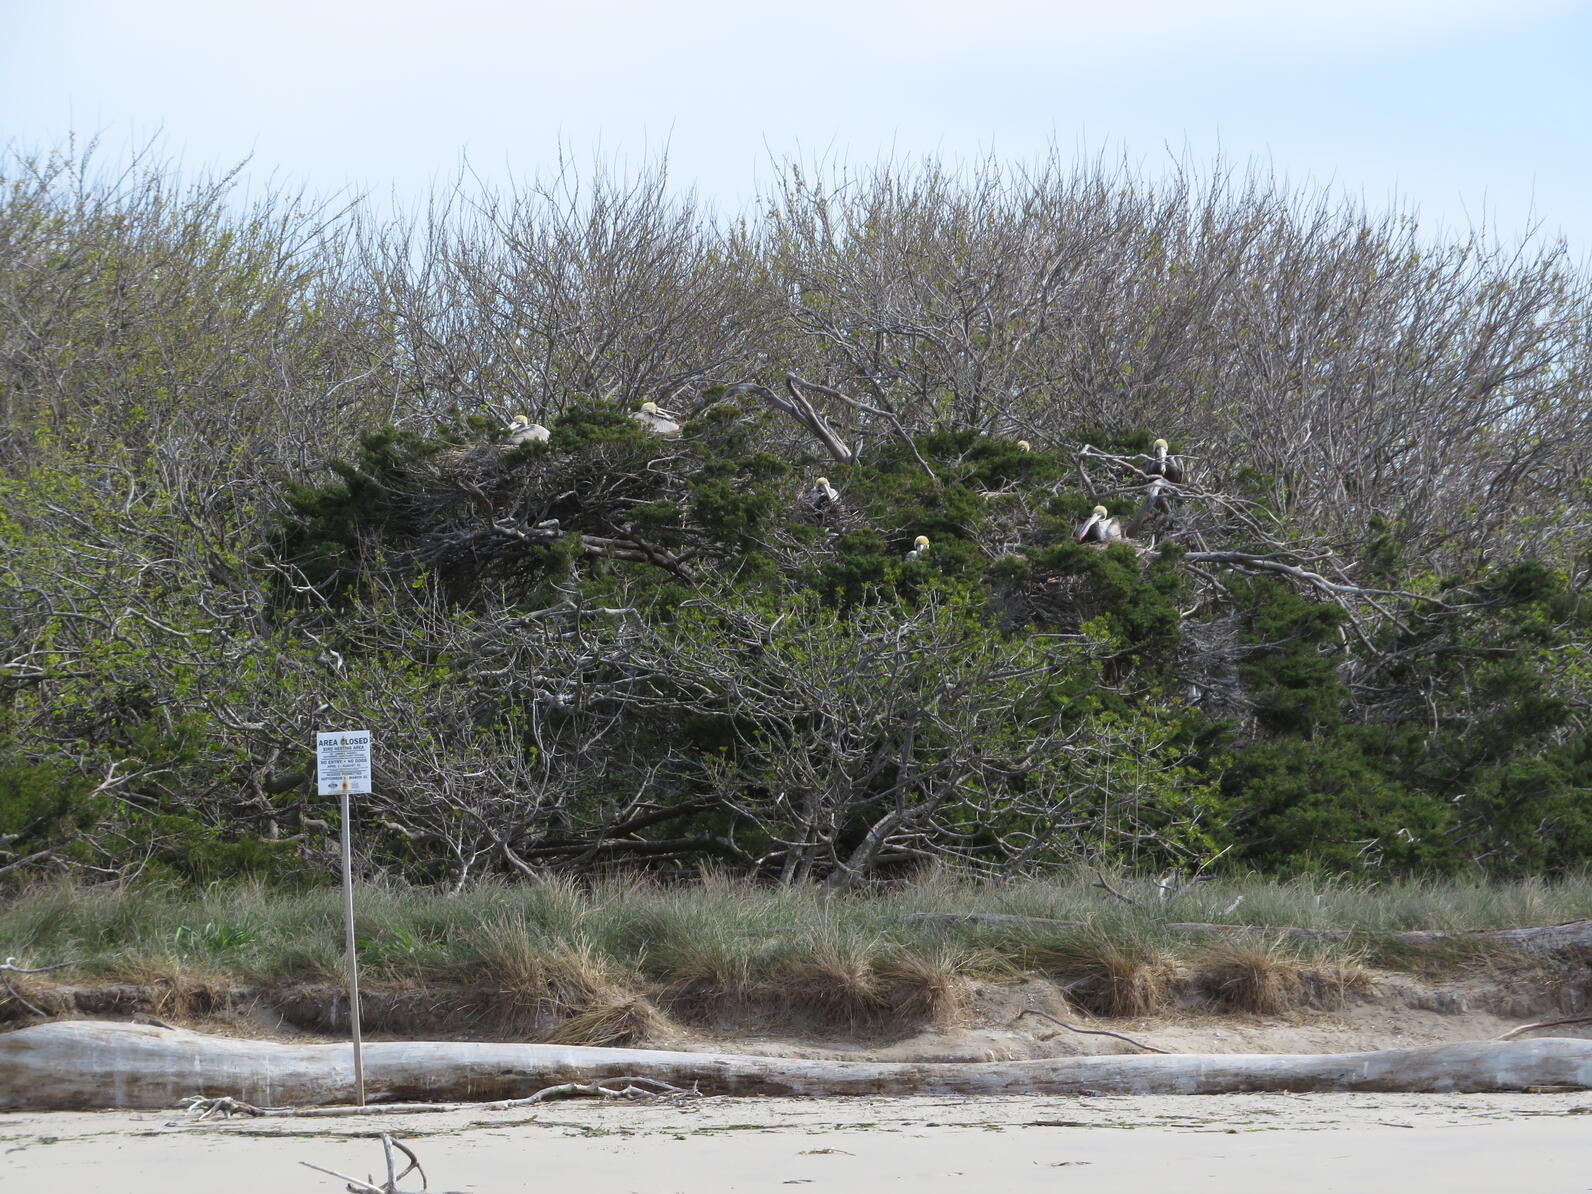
{"x":1166,"y":466}
{"x":920,"y":548}
{"x":523,"y":431}
{"x":1101,"y":528}
{"x":822,"y":495}
{"x":1160,"y":495}
{"x":655,"y":421}
{"x":1158,"y":503}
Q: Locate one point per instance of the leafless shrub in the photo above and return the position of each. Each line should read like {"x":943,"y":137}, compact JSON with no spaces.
{"x":1351,"y":369}
{"x":602,"y":286}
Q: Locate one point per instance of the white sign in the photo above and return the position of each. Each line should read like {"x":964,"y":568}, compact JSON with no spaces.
{"x":343,"y":761}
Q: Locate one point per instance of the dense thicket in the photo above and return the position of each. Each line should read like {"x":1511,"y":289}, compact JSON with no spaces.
{"x":256,"y":482}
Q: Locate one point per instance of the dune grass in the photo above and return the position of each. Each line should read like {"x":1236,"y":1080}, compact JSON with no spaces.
{"x":612,"y":960}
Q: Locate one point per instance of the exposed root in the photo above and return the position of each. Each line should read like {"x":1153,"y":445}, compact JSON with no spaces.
{"x":199,"y":1107}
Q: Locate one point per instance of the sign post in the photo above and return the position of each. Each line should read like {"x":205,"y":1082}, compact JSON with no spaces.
{"x":343,"y":767}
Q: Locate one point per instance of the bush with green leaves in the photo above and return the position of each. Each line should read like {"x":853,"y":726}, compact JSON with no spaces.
{"x":257,"y":482}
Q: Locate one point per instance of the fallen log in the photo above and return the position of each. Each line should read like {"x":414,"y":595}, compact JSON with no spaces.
{"x":87,"y":1065}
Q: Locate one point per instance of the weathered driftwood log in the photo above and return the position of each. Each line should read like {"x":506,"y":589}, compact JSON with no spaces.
{"x":1575,"y":934}
{"x":87,"y":1064}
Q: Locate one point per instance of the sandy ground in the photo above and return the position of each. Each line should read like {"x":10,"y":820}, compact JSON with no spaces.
{"x":1232,"y":1143}
{"x":1272,"y":1143}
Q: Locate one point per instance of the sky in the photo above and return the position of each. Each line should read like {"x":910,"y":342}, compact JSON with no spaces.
{"x":1473,"y":112}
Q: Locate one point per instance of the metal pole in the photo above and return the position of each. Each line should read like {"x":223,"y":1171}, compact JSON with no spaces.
{"x":353,"y":964}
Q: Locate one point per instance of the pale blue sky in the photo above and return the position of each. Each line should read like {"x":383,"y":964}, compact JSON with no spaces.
{"x":1460,"y":106}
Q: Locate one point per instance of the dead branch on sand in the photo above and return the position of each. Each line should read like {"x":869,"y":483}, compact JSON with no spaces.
{"x":1029,"y":1011}
{"x":636,"y":1088}
{"x":390,"y":1186}
{"x":1525,"y":1028}
{"x":200,"y":1107}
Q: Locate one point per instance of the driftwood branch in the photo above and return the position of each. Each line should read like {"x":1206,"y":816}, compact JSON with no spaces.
{"x":1525,"y":1028}
{"x":201,"y":1107}
{"x":394,"y":1175}
{"x":1029,"y":1011}
{"x":9,"y":966}
{"x":77,"y":1065}
{"x":635,"y":1087}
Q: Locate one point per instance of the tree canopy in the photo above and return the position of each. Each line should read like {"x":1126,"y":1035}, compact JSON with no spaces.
{"x":256,"y":482}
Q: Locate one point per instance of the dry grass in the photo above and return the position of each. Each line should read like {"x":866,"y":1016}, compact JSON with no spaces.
{"x":935,"y":986}
{"x":1111,"y":974}
{"x":697,"y":974}
{"x":537,"y":986}
{"x":1269,"y":975}
{"x":836,"y":978}
{"x":176,"y":987}
{"x":1331,"y":987}
{"x":1260,"y":975}
{"x":611,"y":960}
{"x":622,"y":1021}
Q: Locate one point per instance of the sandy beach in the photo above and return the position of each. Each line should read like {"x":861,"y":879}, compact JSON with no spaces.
{"x":1259,"y":1142}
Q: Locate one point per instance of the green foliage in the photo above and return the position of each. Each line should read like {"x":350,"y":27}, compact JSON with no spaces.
{"x":859,"y":568}
{"x":1136,"y":600}
{"x":1486,"y":776}
{"x":329,"y":530}
{"x":671,"y":636}
{"x":586,"y":424}
{"x":1291,"y":664}
{"x":732,"y":516}
{"x":185,"y":847}
{"x":43,"y":806}
{"x":1529,"y":815}
{"x":1329,"y":806}
{"x":1123,"y":441}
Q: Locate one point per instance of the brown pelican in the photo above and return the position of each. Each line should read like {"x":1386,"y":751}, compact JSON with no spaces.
{"x":920,"y":547}
{"x":822,"y":495}
{"x":1165,"y":466}
{"x":1101,"y":528}
{"x":523,"y":431}
{"x":655,"y":421}
{"x":1160,"y":495}
{"x":1158,"y":500}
